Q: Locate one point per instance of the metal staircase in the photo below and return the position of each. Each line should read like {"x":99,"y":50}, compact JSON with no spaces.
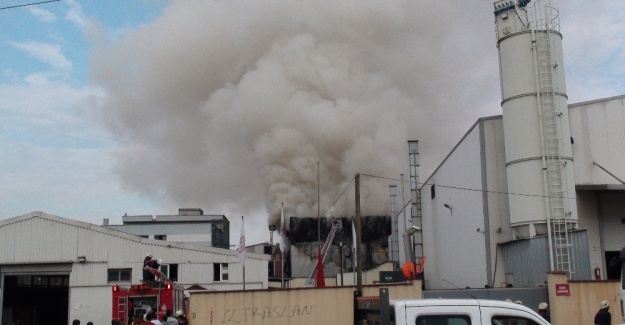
{"x":560,"y":224}
{"x":311,"y":281}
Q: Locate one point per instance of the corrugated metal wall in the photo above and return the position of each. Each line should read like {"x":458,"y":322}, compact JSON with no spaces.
{"x":527,"y":260}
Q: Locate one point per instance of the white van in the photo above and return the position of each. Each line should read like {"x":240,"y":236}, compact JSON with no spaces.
{"x":461,"y":312}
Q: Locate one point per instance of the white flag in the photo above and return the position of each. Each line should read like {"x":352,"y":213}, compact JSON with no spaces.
{"x":354,"y":244}
{"x":242,"y":243}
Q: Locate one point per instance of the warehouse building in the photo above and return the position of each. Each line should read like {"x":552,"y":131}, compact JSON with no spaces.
{"x":54,"y":269}
{"x":537,"y":189}
{"x":466,"y":218}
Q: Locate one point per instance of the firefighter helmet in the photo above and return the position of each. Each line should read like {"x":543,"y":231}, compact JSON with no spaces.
{"x":605,"y":304}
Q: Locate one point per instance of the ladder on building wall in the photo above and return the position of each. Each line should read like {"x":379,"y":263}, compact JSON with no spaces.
{"x":311,"y":281}
{"x":394,"y":247}
{"x":561,"y":225}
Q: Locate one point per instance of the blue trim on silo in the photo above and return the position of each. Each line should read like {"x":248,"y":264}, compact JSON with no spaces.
{"x":504,"y":9}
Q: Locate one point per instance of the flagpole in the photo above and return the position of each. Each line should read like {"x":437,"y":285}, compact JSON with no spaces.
{"x":282,"y":250}
{"x":242,"y":249}
{"x":318,"y":218}
{"x":320,"y":265}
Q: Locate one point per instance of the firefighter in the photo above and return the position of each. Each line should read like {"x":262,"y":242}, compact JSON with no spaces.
{"x":146,"y":274}
{"x":154,"y":264}
{"x":182,"y":319}
{"x":147,"y":258}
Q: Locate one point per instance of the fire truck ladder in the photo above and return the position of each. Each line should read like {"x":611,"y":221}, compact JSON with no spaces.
{"x":561,"y":226}
{"x":311,"y":281}
{"x":158,"y":274}
{"x":122,"y":306}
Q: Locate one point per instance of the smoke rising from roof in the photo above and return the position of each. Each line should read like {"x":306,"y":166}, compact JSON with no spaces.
{"x":230,"y":105}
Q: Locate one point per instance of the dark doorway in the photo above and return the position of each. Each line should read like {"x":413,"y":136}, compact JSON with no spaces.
{"x":36,"y":299}
{"x":613,"y":265}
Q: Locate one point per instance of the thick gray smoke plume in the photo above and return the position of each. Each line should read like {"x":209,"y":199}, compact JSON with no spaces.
{"x":230,"y":105}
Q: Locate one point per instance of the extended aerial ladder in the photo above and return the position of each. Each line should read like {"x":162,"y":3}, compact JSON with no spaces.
{"x":157,"y":274}
{"x":336,"y":224}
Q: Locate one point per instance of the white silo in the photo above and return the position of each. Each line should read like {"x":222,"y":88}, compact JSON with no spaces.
{"x":539,"y":163}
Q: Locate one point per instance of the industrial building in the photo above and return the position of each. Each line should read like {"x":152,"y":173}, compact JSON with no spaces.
{"x":190,"y":225}
{"x":55,"y":269}
{"x":303,"y":236}
{"x":536,"y":189}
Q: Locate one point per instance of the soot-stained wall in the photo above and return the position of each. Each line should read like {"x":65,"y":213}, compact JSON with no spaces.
{"x":304,"y":241}
{"x":375,"y":229}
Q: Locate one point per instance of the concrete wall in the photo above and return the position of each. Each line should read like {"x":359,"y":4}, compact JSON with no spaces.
{"x":580,"y":306}
{"x":329,"y":305}
{"x":456,"y":235}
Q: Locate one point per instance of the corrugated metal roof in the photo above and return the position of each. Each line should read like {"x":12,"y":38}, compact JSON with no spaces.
{"x":40,"y":238}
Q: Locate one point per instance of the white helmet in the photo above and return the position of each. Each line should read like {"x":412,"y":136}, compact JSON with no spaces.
{"x":150,"y":255}
{"x":159,"y":261}
{"x":178,"y":313}
{"x":542,"y":306}
{"x":605,"y":304}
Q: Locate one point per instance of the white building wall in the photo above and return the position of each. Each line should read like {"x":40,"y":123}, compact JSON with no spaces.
{"x":89,"y":274}
{"x":587,"y":208}
{"x":598,"y":131}
{"x":201,"y":239}
{"x":496,"y":186}
{"x":454,"y":247}
{"x":200,"y":273}
{"x":90,"y":304}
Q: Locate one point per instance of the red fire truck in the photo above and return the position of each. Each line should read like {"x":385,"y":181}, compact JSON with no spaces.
{"x":157,"y":296}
